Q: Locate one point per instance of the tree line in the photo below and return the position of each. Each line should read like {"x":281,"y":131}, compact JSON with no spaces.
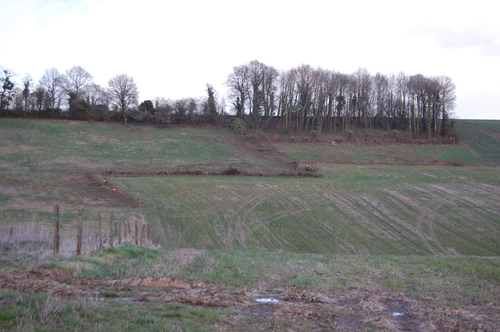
{"x":74,"y":95}
{"x":299,"y":99}
{"x":307,"y":99}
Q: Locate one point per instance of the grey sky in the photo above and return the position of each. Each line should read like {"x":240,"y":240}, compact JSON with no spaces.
{"x":173,"y":48}
{"x":485,"y":38}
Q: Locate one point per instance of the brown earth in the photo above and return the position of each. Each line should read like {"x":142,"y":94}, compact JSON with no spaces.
{"x":353,"y":308}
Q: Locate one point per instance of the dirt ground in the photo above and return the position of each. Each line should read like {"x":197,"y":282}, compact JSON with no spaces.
{"x":341,"y":308}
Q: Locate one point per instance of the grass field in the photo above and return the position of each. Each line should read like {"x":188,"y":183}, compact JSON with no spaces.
{"x":397,"y":154}
{"x":482,"y":137}
{"x":42,"y":144}
{"x":363,"y":209}
{"x":384,"y":230}
{"x":51,"y":162}
{"x":352,"y":210}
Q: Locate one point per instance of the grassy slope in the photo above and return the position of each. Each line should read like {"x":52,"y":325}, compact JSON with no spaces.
{"x":482,"y":137}
{"x":390,"y":153}
{"x":32,"y":144}
{"x":430,"y":210}
{"x":352,"y":210}
{"x":44,"y":163}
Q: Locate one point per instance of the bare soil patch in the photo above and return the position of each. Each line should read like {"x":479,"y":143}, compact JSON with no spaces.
{"x":351,"y":308}
{"x":258,"y":148}
{"x":92,"y":191}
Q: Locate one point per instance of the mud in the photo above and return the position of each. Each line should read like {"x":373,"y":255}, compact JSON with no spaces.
{"x":301,"y":306}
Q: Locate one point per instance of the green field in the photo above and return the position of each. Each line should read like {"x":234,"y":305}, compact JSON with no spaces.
{"x":352,"y":210}
{"x":389,"y":153}
{"x":52,"y":162}
{"x":384,"y":229}
{"x":482,"y":137}
{"x":50,"y":145}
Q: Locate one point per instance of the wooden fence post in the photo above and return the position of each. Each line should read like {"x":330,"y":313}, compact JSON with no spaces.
{"x":120,"y":231}
{"x":148,"y":237}
{"x":136,"y":233}
{"x":125,"y":234}
{"x":56,"y":230}
{"x":129,"y":231}
{"x":143,"y":234}
{"x":111,"y":231}
{"x":100,"y":234}
{"x":79,"y":236}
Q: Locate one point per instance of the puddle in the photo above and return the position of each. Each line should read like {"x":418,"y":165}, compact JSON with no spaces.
{"x":397,"y":308}
{"x":262,"y":309}
{"x":267,"y":300}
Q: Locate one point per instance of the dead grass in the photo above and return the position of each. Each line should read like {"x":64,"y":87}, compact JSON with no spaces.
{"x":313,"y":292}
{"x":32,"y":242}
{"x":26,"y":242}
{"x":172,"y":264}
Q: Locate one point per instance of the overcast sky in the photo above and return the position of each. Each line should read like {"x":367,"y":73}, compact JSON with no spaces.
{"x":173,"y":48}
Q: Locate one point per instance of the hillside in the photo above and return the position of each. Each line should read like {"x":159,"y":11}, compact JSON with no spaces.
{"x":347,"y":236}
{"x":481,"y":137}
{"x":371,"y":198}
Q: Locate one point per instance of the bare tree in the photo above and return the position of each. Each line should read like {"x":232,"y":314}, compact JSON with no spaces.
{"x":305,"y":81}
{"x":448,"y":98}
{"x":238,"y":84}
{"x":162,"y":110}
{"x":380,"y":92}
{"x":38,"y":98}
{"x":76,"y":80}
{"x":123,"y":94}
{"x":186,"y":110}
{"x":269,"y":88}
{"x":53,"y":83}
{"x":96,"y":101}
{"x":417,"y":85}
{"x":18,"y":100}
{"x":401,"y":113}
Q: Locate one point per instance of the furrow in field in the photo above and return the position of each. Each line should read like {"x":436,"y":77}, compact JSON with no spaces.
{"x":364,"y":210}
{"x":231,"y":223}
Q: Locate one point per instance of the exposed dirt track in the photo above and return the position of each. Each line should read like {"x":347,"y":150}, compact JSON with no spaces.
{"x":341,"y":308}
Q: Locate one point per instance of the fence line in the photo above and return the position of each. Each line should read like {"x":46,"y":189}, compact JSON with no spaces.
{"x":122,"y":229}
